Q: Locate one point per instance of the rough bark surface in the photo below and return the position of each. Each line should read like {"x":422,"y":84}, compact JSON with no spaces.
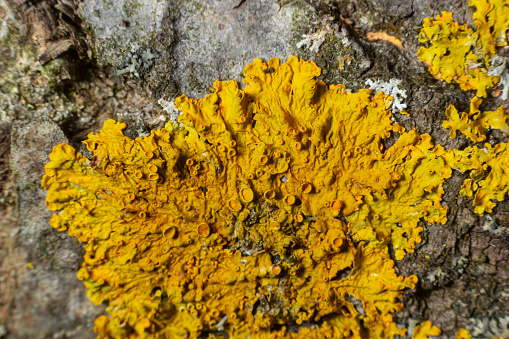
{"x":67,"y":65}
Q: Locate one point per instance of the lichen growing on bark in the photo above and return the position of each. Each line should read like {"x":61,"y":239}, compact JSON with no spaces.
{"x":488,"y":168}
{"x":475,"y":123}
{"x":456,"y":53}
{"x":235,"y":221}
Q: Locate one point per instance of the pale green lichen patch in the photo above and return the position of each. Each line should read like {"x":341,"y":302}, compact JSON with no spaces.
{"x":142,"y":23}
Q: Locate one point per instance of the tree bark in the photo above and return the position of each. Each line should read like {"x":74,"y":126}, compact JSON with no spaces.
{"x":60,"y":62}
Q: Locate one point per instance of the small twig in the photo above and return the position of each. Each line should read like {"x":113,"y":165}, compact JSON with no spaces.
{"x":240,"y":4}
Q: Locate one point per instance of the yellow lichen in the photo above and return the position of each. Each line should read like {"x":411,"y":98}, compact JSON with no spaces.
{"x":492,"y":20}
{"x":273,"y":206}
{"x":463,"y":334}
{"x":460,"y":54}
{"x":424,"y":330}
{"x":475,"y":123}
{"x":487,"y":188}
{"x":456,"y":52}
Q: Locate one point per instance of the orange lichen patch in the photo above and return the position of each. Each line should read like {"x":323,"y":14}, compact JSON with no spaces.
{"x":289,"y":199}
{"x":336,"y":205}
{"x":383,"y":36}
{"x":169,"y":232}
{"x":457,"y":53}
{"x":271,"y":194}
{"x":475,"y":123}
{"x":486,"y":189}
{"x":203,"y":230}
{"x":247,"y":194}
{"x":424,"y":330}
{"x":235,"y":205}
{"x":306,"y":187}
{"x":278,"y":253}
{"x":275,"y":269}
